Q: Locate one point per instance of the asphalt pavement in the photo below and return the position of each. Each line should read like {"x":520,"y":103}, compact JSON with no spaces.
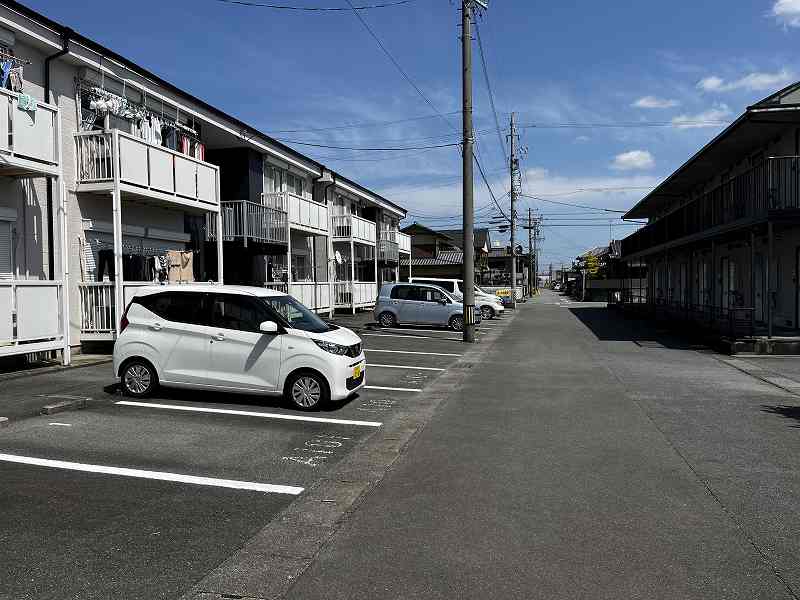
{"x":585,"y":457}
{"x":145,"y":499}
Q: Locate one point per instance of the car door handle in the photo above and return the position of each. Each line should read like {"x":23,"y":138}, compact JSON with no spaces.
{"x":220,"y":337}
{"x":156,"y":326}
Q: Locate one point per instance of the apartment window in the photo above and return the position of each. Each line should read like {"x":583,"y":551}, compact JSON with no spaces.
{"x":295,"y":184}
{"x":273,"y":179}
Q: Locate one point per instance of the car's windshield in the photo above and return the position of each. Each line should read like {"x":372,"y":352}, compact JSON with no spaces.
{"x":480,"y":291}
{"x":296,"y":315}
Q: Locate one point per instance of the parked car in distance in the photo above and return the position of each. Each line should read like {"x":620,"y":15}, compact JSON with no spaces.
{"x":418,"y":304}
{"x":489,"y":305}
{"x":237,"y":339}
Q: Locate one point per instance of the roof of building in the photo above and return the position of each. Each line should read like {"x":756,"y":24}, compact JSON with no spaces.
{"x":760,"y":122}
{"x":481,"y":237}
{"x":444,"y":259}
{"x":420,"y":228}
{"x":97,"y":47}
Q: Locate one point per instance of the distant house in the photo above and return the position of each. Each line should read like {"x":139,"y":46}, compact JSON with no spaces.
{"x":439,"y":253}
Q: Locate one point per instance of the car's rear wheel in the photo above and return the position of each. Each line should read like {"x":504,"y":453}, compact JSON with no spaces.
{"x":387,"y":319}
{"x":457,"y":323}
{"x":138,"y":378}
{"x":307,"y":390}
{"x":487,"y":312}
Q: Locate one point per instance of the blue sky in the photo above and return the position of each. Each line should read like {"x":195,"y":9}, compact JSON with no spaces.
{"x":693,"y":64}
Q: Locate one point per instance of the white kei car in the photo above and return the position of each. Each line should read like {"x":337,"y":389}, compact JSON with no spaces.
{"x":235,"y":338}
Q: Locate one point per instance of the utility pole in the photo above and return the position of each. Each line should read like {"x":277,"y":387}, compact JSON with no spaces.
{"x":531,"y":273}
{"x":469,"y":139}
{"x":513,"y":166}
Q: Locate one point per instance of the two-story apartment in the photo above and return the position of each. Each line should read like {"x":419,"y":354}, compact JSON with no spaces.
{"x":722,"y":243}
{"x":114,"y":179}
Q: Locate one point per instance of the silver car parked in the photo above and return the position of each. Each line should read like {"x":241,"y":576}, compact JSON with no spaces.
{"x":417,"y":304}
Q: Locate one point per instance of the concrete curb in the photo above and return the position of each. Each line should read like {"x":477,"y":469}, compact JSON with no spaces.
{"x":63,"y":406}
{"x":774,"y":379}
{"x":53,"y":369}
{"x":269,"y":564}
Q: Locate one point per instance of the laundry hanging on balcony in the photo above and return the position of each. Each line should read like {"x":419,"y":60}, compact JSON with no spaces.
{"x":27,"y":103}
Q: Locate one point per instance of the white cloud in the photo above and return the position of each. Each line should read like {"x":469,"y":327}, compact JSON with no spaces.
{"x":720,"y":114}
{"x":751,"y":82}
{"x":633,"y":160}
{"x":654,"y":102}
{"x":787,"y":12}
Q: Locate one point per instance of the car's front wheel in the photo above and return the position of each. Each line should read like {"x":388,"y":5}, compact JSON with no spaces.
{"x":457,"y":323}
{"x":138,"y":378}
{"x":307,"y":390}
{"x":487,"y":312}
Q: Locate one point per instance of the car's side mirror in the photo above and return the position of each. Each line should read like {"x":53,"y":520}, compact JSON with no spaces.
{"x":268,"y":327}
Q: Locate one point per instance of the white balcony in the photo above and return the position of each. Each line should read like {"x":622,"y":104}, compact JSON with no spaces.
{"x":244,"y":220}
{"x":31,"y":316}
{"x":97,"y":308}
{"x":346,"y":227}
{"x":29,"y":141}
{"x":355,"y":294}
{"x":404,"y":243}
{"x":144,"y":169}
{"x":316,"y":296}
{"x":305,"y":214}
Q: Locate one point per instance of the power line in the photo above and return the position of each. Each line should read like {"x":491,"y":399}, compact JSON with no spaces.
{"x":611,"y":210}
{"x":299,"y":143}
{"x":491,"y":93}
{"x":364,"y":124}
{"x":315,"y":8}
{"x":397,"y":64}
{"x":489,"y":187}
{"x":632,"y":124}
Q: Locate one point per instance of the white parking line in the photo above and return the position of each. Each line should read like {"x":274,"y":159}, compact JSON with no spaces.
{"x":391,"y":389}
{"x":414,"y":337}
{"x":158,"y":475}
{"x":405,"y":367}
{"x":410,"y":352}
{"x":414,"y":329}
{"x":249,"y":413}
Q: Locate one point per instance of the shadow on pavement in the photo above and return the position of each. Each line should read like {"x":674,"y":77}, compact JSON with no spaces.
{"x":789,"y":412}
{"x":612,"y":326}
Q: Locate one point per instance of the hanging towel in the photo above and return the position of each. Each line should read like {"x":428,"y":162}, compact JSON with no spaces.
{"x":27,"y":102}
{"x":16,"y":79}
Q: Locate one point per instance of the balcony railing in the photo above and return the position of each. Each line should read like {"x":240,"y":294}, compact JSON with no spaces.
{"x":28,"y":139}
{"x":304,"y":214}
{"x":404,"y":242}
{"x":30,"y":316}
{"x":773,"y":185}
{"x":354,"y":294}
{"x":97,"y":307}
{"x":245,"y":220}
{"x":388,"y":251}
{"x":144,"y":167}
{"x":352,"y":226}
{"x":315,"y":296}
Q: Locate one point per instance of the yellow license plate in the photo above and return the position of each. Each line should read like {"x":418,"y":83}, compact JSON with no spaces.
{"x":357,"y":372}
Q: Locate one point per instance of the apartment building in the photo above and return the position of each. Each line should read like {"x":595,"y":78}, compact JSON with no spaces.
{"x":113,"y":178}
{"x":721,"y":247}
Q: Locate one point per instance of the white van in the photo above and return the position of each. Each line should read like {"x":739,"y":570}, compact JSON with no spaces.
{"x":235,"y":338}
{"x":490,"y":305}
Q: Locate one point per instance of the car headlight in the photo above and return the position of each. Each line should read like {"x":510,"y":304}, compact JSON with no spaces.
{"x":331,"y":347}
